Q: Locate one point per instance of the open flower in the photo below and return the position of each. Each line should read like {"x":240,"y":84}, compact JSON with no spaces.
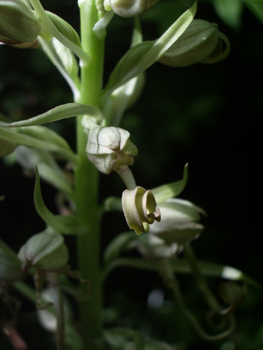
{"x":179,"y":221}
{"x":109,"y":148}
{"x":140,"y":209}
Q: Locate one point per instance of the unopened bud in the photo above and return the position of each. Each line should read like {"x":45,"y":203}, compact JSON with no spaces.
{"x":129,"y":8}
{"x":45,"y":251}
{"x":109,"y":148}
{"x":201,"y":42}
{"x":18,"y":23}
{"x":140,"y":209}
{"x":232,"y":293}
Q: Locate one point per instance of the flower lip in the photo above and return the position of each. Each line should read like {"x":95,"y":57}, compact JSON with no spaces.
{"x":140,"y":209}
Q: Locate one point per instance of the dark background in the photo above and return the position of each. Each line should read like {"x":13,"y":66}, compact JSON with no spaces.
{"x":209,"y":116}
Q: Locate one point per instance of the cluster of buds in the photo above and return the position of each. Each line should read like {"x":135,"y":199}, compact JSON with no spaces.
{"x":201,"y":42}
{"x":129,"y":8}
{"x":19,"y":25}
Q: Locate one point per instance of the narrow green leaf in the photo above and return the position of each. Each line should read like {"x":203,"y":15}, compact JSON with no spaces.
{"x":173,"y":189}
{"x":45,"y":134}
{"x":230,"y":12}
{"x":182,"y":266}
{"x":61,"y":224}
{"x":55,"y":178}
{"x":60,"y":112}
{"x":120,"y":335}
{"x":256,"y":7}
{"x":142,"y":56}
{"x":19,"y":138}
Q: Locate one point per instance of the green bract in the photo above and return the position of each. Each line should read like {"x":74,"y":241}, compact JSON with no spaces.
{"x":64,"y":28}
{"x":140,"y":209}
{"x":109,"y":148}
{"x":202,"y":42}
{"x":129,"y":8}
{"x":18,"y":24}
{"x":45,"y":250}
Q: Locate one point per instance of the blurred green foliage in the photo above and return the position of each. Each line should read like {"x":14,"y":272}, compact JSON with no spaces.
{"x":207,"y":115}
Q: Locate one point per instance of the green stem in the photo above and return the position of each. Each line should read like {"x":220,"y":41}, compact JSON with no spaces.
{"x":86,"y":180}
{"x":200,"y":280}
{"x":59,"y":307}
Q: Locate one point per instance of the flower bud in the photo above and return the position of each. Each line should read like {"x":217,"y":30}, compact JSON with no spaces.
{"x":18,"y":23}
{"x":201,"y":42}
{"x":128,"y":8}
{"x":6,"y":147}
{"x":232,"y":293}
{"x":109,"y":148}
{"x":45,"y":251}
{"x":140,"y":209}
{"x":178,"y":223}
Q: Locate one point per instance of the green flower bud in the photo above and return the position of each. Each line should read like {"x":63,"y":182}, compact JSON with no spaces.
{"x":109,"y":148}
{"x":233,"y":294}
{"x":129,"y":8}
{"x":18,"y":23}
{"x":6,"y":147}
{"x":45,"y":251}
{"x":201,"y":42}
{"x":140,"y":209}
{"x":178,"y":223}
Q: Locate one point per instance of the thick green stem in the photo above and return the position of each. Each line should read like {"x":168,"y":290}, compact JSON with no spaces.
{"x":86,"y":179}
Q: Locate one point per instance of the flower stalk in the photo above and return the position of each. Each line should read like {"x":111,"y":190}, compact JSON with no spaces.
{"x":86,"y":181}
